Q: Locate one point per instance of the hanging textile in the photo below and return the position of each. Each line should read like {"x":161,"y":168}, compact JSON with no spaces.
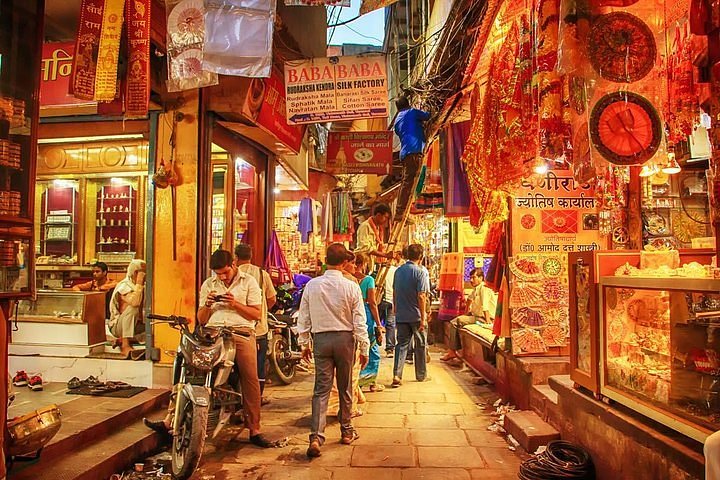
{"x":275,"y":262}
{"x":109,"y":50}
{"x":456,"y":192}
{"x":305,"y":219}
{"x":343,"y":226}
{"x":451,"y":272}
{"x":683,"y":106}
{"x":84,"y":67}
{"x":327,"y":219}
{"x":137,"y":93}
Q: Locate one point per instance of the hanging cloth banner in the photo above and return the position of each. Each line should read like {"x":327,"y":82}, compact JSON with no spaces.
{"x":137,"y":96}
{"x":109,"y":50}
{"x":370,"y":5}
{"x":84,"y":66}
{"x":314,"y":3}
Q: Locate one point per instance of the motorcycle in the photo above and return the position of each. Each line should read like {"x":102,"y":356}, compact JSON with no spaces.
{"x":207,"y":391}
{"x":284,"y":350}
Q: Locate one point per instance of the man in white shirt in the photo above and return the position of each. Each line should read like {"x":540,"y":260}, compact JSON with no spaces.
{"x":230,"y":298}
{"x":243,"y":255}
{"x":332,"y":309}
{"x":479,"y":302}
{"x":370,"y":234}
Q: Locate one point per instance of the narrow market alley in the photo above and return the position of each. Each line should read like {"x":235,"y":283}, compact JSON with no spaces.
{"x":432,"y":430}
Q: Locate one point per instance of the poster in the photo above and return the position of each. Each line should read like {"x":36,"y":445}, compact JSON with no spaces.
{"x":554,"y":214}
{"x":336,"y":88}
{"x":57,"y":59}
{"x":265,"y":105}
{"x":359,"y":152}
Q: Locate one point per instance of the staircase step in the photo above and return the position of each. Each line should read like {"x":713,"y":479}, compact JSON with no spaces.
{"x":529,"y":429}
{"x":89,"y":418}
{"x":97,"y":460}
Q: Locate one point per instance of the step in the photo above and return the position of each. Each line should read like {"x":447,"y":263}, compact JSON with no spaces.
{"x":529,"y":429}
{"x":94,"y":461}
{"x":63,"y":368}
{"x":542,"y":398}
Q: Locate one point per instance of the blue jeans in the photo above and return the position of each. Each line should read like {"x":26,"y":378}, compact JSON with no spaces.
{"x":387,"y":316}
{"x":408,"y":333}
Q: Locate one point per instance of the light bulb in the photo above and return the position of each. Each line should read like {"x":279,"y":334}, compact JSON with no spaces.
{"x":541,"y":169}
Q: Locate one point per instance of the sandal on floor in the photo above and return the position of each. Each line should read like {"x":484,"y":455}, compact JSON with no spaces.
{"x":119,"y":385}
{"x":74,"y":383}
{"x":101,"y":389}
{"x":377,"y":387}
{"x":356,"y":413}
{"x":91,"y":381}
{"x":137,"y":354}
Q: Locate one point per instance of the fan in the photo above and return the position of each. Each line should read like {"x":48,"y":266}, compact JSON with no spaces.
{"x":625,"y":128}
{"x":621,"y":47}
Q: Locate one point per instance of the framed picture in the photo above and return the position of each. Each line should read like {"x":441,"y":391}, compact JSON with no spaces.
{"x":57,"y":232}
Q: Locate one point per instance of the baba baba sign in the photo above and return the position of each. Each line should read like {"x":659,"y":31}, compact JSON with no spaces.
{"x":359,"y":152}
{"x":336,"y":88}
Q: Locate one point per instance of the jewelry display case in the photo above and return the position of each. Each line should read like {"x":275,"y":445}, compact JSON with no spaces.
{"x":660,"y":349}
{"x":20,"y":36}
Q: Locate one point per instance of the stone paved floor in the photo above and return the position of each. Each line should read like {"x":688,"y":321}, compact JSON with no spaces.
{"x":432,"y":430}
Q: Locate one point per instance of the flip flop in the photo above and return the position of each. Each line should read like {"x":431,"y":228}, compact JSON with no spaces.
{"x":119,"y":385}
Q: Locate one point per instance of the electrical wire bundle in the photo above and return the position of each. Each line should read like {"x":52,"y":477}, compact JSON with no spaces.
{"x":560,"y":461}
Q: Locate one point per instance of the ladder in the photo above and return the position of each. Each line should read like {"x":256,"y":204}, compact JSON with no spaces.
{"x":398,"y":226}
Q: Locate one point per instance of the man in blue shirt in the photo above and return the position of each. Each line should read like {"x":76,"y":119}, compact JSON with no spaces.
{"x":410,"y":289}
{"x":409,"y":128}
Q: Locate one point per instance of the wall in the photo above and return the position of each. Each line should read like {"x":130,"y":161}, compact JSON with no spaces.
{"x":308,"y":27}
{"x":174,"y":290}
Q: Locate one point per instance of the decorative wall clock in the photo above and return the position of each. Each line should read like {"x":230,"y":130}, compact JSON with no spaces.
{"x":625,"y":128}
{"x":621,"y":47}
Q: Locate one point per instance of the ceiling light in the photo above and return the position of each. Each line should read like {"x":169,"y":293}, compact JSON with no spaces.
{"x":541,"y":169}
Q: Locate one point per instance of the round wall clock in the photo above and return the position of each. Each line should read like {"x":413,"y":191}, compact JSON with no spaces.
{"x":621,"y":47}
{"x":625,"y":128}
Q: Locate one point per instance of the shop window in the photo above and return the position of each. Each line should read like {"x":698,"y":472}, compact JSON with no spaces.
{"x":116,"y":218}
{"x":245,"y":195}
{"x":219,"y":182}
{"x":58,"y":203}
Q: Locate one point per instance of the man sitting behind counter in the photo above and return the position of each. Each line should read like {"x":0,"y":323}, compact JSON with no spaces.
{"x":100,"y":281}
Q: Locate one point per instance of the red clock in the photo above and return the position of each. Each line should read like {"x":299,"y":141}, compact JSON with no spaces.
{"x":625,"y":128}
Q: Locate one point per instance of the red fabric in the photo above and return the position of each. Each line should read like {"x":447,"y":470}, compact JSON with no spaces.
{"x":452,"y":305}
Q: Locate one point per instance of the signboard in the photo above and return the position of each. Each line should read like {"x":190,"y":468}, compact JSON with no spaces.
{"x":359,"y":152}
{"x":336,"y":88}
{"x":555,"y":215}
{"x":57,"y":58}
{"x":265,"y":105}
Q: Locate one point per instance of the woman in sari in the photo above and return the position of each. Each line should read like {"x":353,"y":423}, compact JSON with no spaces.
{"x":369,"y":374}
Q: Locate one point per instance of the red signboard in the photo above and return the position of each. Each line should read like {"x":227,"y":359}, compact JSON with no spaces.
{"x":265,"y":104}
{"x":359,"y":152}
{"x":57,"y":58}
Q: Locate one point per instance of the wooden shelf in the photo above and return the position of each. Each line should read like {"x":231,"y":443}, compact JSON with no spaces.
{"x":657,"y":283}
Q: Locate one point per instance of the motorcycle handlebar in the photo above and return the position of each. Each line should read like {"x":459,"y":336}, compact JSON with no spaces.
{"x":176,"y":319}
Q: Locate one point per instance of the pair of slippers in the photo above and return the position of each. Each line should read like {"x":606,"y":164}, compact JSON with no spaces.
{"x":75,"y":382}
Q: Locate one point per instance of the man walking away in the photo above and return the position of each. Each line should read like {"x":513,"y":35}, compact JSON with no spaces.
{"x":332,"y":309}
{"x":243,"y":255}
{"x":409,"y":128}
{"x":411,"y":287}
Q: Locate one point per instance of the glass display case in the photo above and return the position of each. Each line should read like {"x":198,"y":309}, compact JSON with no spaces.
{"x":59,"y":204}
{"x":661,"y":349}
{"x":65,"y":307}
{"x":116,"y":216}
{"x":584,"y":325}
{"x":20,"y":37}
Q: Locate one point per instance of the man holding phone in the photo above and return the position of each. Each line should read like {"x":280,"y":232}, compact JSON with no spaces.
{"x":231,"y":298}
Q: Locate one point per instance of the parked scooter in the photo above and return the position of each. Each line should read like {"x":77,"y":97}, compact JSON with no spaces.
{"x":284,"y":349}
{"x":207,"y":391}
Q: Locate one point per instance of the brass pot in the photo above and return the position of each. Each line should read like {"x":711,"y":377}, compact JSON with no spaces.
{"x":33,"y":431}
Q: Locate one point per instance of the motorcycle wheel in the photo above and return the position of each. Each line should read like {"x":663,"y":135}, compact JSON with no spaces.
{"x":188,"y":444}
{"x":284,"y":369}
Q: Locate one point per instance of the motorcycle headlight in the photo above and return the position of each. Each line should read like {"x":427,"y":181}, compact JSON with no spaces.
{"x":205,"y":358}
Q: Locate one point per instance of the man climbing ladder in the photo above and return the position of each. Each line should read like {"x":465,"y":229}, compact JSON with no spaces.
{"x":409,"y":128}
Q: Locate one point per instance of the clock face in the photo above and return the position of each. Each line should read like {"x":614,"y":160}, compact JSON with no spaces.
{"x":621,"y":47}
{"x":625,"y":128}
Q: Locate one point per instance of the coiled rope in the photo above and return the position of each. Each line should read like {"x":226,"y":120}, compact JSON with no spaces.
{"x":560,"y":461}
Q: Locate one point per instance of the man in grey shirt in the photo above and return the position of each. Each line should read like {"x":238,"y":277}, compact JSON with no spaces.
{"x":333,"y":311}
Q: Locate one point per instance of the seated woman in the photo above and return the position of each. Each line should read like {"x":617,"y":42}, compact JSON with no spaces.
{"x":126,"y":313}
{"x":481,"y":307}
